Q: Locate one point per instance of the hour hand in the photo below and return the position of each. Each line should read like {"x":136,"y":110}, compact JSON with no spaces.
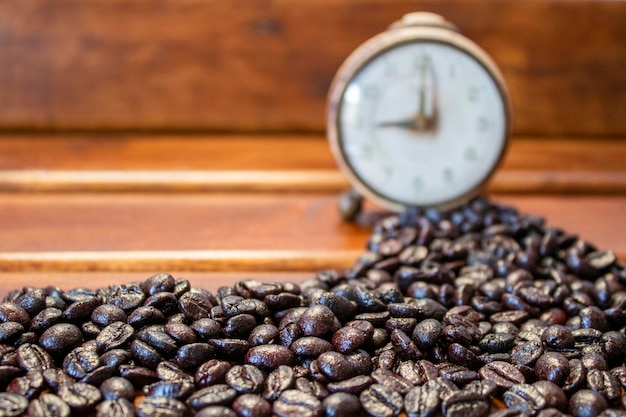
{"x":404,"y":124}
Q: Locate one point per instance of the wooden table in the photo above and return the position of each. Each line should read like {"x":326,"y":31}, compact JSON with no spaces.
{"x":83,"y":211}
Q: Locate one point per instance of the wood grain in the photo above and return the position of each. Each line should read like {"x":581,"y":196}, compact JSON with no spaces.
{"x":259,"y":232}
{"x":274,"y":163}
{"x":197,"y":65}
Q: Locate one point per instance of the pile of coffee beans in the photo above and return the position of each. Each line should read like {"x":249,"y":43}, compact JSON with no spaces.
{"x":467,"y":313}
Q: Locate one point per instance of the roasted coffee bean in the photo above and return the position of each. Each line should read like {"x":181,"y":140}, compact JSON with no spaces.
{"x":527,"y":353}
{"x":29,"y":385}
{"x":46,"y":318}
{"x":335,"y":366}
{"x":114,"y":336}
{"x":61,"y":338}
{"x":422,"y":401}
{"x":193,"y":355}
{"x":219,"y":394}
{"x":484,"y":387}
{"x":525,"y":398}
{"x":48,"y":405}
{"x":12,"y":312}
{"x":181,"y":333}
{"x":56,"y":378}
{"x":316,"y":321}
{"x":145,"y":316}
{"x":246,"y":379}
{"x":278,"y":381}
{"x":80,"y":396}
{"x":195,"y":305}
{"x":341,"y":404}
{"x":555,"y":397}
{"x":503,"y":374}
{"x":348,"y":339}
{"x":117,"y":387}
{"x":263,"y":335}
{"x":115,"y":408}
{"x":426,"y":333}
{"x":577,"y":376}
{"x":158,"y":283}
{"x":169,"y":371}
{"x":144,"y":354}
{"x":392,"y":380}
{"x":458,"y":374}
{"x":315,"y":388}
{"x":80,"y":362}
{"x":297,"y":403}
{"x":381,"y":401}
{"x":354,"y":385}
{"x":125,"y":296}
{"x":31,"y":357}
{"x":311,"y":347}
{"x":249,"y":405}
{"x":10,"y":331}
{"x":211,"y":372}
{"x":230,"y":348}
{"x":7,"y":373}
{"x":160,"y":407}
{"x":171,"y":389}
{"x":115,"y":357}
{"x":553,"y":367}
{"x":269,"y":356}
{"x":558,"y":337}
{"x":81,"y":309}
{"x":465,"y":404}
{"x":216,"y":411}
{"x":461,"y":355}
{"x":138,"y":375}
{"x":587,"y":403}
{"x":604,"y":383}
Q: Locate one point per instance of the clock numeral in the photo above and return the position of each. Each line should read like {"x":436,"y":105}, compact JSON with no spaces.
{"x":418,"y":184}
{"x":483,"y":124}
{"x":448,"y":176}
{"x":473,"y":94}
{"x":470,"y":154}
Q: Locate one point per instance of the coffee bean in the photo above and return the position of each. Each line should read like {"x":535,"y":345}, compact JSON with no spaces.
{"x":218,"y":394}
{"x":527,"y":353}
{"x":115,"y":408}
{"x":316,"y":321}
{"x":587,"y":403}
{"x":604,"y":383}
{"x":12,"y":312}
{"x":216,"y":411}
{"x":245,"y":379}
{"x":577,"y":376}
{"x":144,"y":316}
{"x":249,"y":405}
{"x":195,"y":305}
{"x":465,"y":404}
{"x":169,"y":371}
{"x":392,"y":380}
{"x":269,"y":356}
{"x":80,"y":396}
{"x":46,"y":318}
{"x":341,"y":404}
{"x":263,"y":335}
{"x":29,"y":385}
{"x":80,"y":362}
{"x":381,"y":401}
{"x":335,"y":366}
{"x":48,"y":405}
{"x":310,"y":346}
{"x":160,"y":407}
{"x":171,"y":389}
{"x":503,"y":374}
{"x":555,"y":397}
{"x":211,"y":372}
{"x":158,"y":283}
{"x":278,"y":381}
{"x":525,"y":398}
{"x":117,"y":387}
{"x":421,"y":401}
{"x":125,"y":296}
{"x":552,"y":367}
{"x":138,"y":375}
{"x":297,"y":403}
{"x":32,"y":357}
{"x":61,"y":338}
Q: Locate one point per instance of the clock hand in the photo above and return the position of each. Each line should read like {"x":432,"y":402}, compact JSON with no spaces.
{"x":427,"y":115}
{"x":405,"y":124}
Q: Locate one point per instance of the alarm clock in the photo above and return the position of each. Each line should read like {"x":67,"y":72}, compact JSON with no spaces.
{"x":418,"y":115}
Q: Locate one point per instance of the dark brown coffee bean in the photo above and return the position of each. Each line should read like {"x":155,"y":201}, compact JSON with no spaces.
{"x":553,"y":367}
{"x":138,"y":375}
{"x":392,"y":380}
{"x":577,"y":376}
{"x":160,"y":407}
{"x":115,"y":357}
{"x":555,"y":397}
{"x":158,"y":283}
{"x":144,"y":354}
{"x":115,"y":408}
{"x":558,"y":337}
{"x":279,"y":380}
{"x":604,"y":383}
{"x":245,"y":379}
{"x":426,"y":333}
{"x":503,"y":374}
{"x":125,"y":296}
{"x":169,"y":371}
{"x":29,"y":385}
{"x":297,"y":403}
{"x":80,"y":362}
{"x":117,"y":387}
{"x":381,"y":401}
{"x":230,"y":348}
{"x":32,"y":357}
{"x":422,"y":401}
{"x":263,"y":335}
{"x":249,"y":405}
{"x":211,"y":372}
{"x":61,"y":338}
{"x":171,"y":389}
{"x":219,"y":394}
{"x":193,"y":355}
{"x":145,"y":316}
{"x":48,"y":405}
{"x":310,"y":347}
{"x":10,"y":331}
{"x":79,"y":396}
{"x":527,"y":353}
{"x":269,"y":356}
{"x":315,"y":388}
{"x":525,"y":398}
{"x":195,"y":305}
{"x":461,"y":355}
{"x":341,"y":404}
{"x":216,"y":411}
{"x":465,"y":404}
{"x":587,"y":403}
{"x":12,"y":312}
{"x":46,"y":318}
{"x":316,"y":321}
{"x":458,"y":374}
{"x":114,"y":336}
{"x":81,"y":309}
{"x":335,"y":366}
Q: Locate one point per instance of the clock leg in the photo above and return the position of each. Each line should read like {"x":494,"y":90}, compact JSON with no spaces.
{"x":350,"y":205}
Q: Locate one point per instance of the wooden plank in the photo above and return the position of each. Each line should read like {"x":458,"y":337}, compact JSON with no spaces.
{"x":266,"y":66}
{"x":274,"y":163}
{"x":259,"y":232}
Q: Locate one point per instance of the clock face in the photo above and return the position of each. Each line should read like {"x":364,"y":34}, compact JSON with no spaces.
{"x":422,"y":123}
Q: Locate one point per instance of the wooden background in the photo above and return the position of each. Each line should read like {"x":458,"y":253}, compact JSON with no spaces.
{"x":188,"y":135}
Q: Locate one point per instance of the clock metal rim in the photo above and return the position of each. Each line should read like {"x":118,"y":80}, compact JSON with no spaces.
{"x":369,"y":51}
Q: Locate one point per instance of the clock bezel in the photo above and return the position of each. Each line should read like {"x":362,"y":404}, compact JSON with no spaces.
{"x":369,"y":51}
